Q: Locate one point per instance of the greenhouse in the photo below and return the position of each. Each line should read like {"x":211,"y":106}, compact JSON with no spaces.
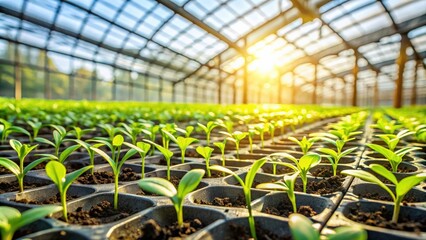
{"x":212,"y":119}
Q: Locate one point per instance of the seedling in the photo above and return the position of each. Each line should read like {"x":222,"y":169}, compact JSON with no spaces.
{"x":392,"y":140}
{"x":261,"y":129}
{"x":334,"y":157}
{"x":394,"y":158}
{"x":7,"y":128}
{"x":206,"y":152}
{"x":251,"y":133}
{"x":167,"y":131}
{"x":401,"y":188}
{"x":236,"y":137}
{"x":143,"y":149}
{"x":187,"y":131}
{"x":271,"y":126}
{"x":303,"y":165}
{"x":57,"y":172}
{"x":79,"y":133}
{"x":63,"y":156}
{"x":151,"y":132}
{"x":110,"y":130}
{"x":208,"y":129}
{"x":115,"y":162}
{"x":19,"y":170}
{"x":132,"y":131}
{"x":166,"y":153}
{"x":287,"y":185}
{"x":302,"y":229}
{"x":387,"y":127}
{"x":246,"y":187}
{"x":59,"y":135}
{"x":35,"y":126}
{"x":187,"y":184}
{"x":221,"y":146}
{"x":420,"y":133}
{"x":89,"y":151}
{"x":305,"y":144}
{"x":11,"y":219}
{"x":182,"y":142}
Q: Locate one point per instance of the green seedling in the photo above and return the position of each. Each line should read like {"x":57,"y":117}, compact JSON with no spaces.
{"x":208,"y":129}
{"x":305,"y":144}
{"x":59,"y":135}
{"x":166,"y":153}
{"x":287,"y":185}
{"x":188,"y":131}
{"x":302,"y":228}
{"x":11,"y":219}
{"x":394,"y":158}
{"x":79,"y":133}
{"x":246,"y":187}
{"x":143,"y":149}
{"x":167,"y":131}
{"x":206,"y":152}
{"x":271,"y":126}
{"x":19,"y":170}
{"x":401,"y":188}
{"x":7,"y":128}
{"x":420,"y":133}
{"x":392,"y":140}
{"x":114,"y":161}
{"x":334,"y":157}
{"x":182,"y":142}
{"x":110,"y":130}
{"x":187,"y":184}
{"x":261,"y":129}
{"x":281,"y":125}
{"x":303,"y":165}
{"x":62,"y":156}
{"x":132,"y":131}
{"x":221,"y":146}
{"x":236,"y":137}
{"x":251,"y":134}
{"x":35,"y":126}
{"x":151,"y":131}
{"x":58,"y":173}
{"x":386,"y":126}
{"x":89,"y":151}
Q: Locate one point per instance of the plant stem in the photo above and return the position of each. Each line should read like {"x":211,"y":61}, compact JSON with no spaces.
{"x":116,"y":191}
{"x":237,"y":147}
{"x":6,"y":236}
{"x":261,"y":140}
{"x":250,"y":218}
{"x":274,"y":169}
{"x":251,"y":144}
{"x":168,"y":168}
{"x":143,"y":166}
{"x":21,"y":183}
{"x":179,"y":212}
{"x":396,"y":209}
{"x":64,"y":205}
{"x":183,"y":156}
{"x":304,"y":181}
{"x":208,"y":138}
{"x":334,"y":166}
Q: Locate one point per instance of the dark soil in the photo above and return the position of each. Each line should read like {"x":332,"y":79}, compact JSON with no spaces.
{"x":4,"y":170}
{"x":51,"y":200}
{"x":325,"y":172}
{"x":239,"y":233}
{"x":280,"y":170}
{"x":321,"y":187}
{"x":151,"y":230}
{"x":376,"y":196}
{"x":101,"y":213}
{"x":104,"y":177}
{"x":215,"y":175}
{"x":13,"y":186}
{"x":382,"y":218}
{"x":238,"y":202}
{"x":284,"y":209}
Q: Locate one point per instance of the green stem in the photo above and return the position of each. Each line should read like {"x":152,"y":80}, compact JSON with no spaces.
{"x":396,"y":209}
{"x":334,"y":166}
{"x":168,"y":169}
{"x":116,"y":191}
{"x":208,"y":138}
{"x":274,"y":169}
{"x":304,"y":181}
{"x":208,"y":168}
{"x":143,"y":167}
{"x":251,"y":144}
{"x":6,"y":235}
{"x":64,"y":205}
{"x":292,"y":198}
{"x":261,"y":141}
{"x":179,"y":212}
{"x":237,"y":147}
{"x":21,"y":183}
{"x":183,"y":156}
{"x":250,"y":218}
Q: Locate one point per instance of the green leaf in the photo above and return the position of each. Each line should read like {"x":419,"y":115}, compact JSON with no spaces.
{"x":128,"y":155}
{"x":408,"y":183}
{"x":283,"y":155}
{"x":401,"y":152}
{"x":301,"y":228}
{"x":16,"y":145}
{"x":45,"y":141}
{"x":388,"y":154}
{"x":353,"y":232}
{"x":144,"y":146}
{"x":379,"y":169}
{"x":184,"y":142}
{"x":219,"y":145}
{"x":57,"y":172}
{"x":105,"y":156}
{"x":189,"y":182}
{"x":348,"y":151}
{"x":65,"y":154}
{"x":71,"y":177}
{"x":10,"y":165}
{"x":328,"y":151}
{"x":33,"y":164}
{"x":368,"y":177}
{"x":158,"y":186}
{"x":309,"y":160}
{"x":253,"y":170}
{"x":35,"y":214}
{"x":206,"y":152}
{"x":118,"y":140}
{"x":273,"y":186}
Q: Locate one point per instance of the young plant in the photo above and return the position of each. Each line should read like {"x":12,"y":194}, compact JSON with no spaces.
{"x":143,"y":150}
{"x":59,"y":135}
{"x":394,"y":158}
{"x":401,"y":188}
{"x":251,"y":133}
{"x":62,"y":156}
{"x":35,"y":126}
{"x":19,"y":170}
{"x":114,"y":161}
{"x":392,"y":140}
{"x":246,"y":187}
{"x":287,"y":185}
{"x":89,"y":151}
{"x":271,"y":126}
{"x":305,"y":144}
{"x":334,"y":157}
{"x":79,"y":133}
{"x":208,"y":129}
{"x":167,"y":131}
{"x":221,"y":146}
{"x":206,"y":152}
{"x":58,"y":173}
{"x":236,"y":137}
{"x":386,"y":126}
{"x":132,"y":131}
{"x":11,"y":219}
{"x":7,"y":128}
{"x":187,"y":184}
{"x":151,"y":131}
{"x":166,"y":153}
{"x":182,"y":142}
{"x":303,"y":165}
{"x":261,"y":129}
{"x":110,"y":130}
{"x":302,"y":228}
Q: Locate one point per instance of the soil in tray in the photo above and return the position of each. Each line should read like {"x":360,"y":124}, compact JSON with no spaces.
{"x":151,"y":230}
{"x":376,"y":196}
{"x":51,"y":200}
{"x":238,"y":232}
{"x":13,"y":186}
{"x":280,"y":170}
{"x":101,"y":213}
{"x":325,"y":172}
{"x":284,"y":209}
{"x":382,"y":218}
{"x":238,"y":202}
{"x":4,"y":171}
{"x":321,"y":187}
{"x":104,"y":177}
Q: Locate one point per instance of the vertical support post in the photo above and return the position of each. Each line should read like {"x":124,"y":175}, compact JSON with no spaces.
{"x":397,"y":100}
{"x":376,"y":91}
{"x":146,"y":89}
{"x":280,"y":89}
{"x":160,"y":90}
{"x":355,"y":82}
{"x":93,"y":77}
{"x":47,"y":88}
{"x":174,"y":92}
{"x":185,"y":92}
{"x":114,"y":88}
{"x":293,"y":89}
{"x":245,"y":74}
{"x":413,"y":100}
{"x":71,"y":90}
{"x":219,"y":84}
{"x":315,"y":84}
{"x":195,"y":92}
{"x":18,"y":80}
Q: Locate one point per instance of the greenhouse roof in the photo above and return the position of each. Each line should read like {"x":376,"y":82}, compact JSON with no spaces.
{"x":187,"y":40}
